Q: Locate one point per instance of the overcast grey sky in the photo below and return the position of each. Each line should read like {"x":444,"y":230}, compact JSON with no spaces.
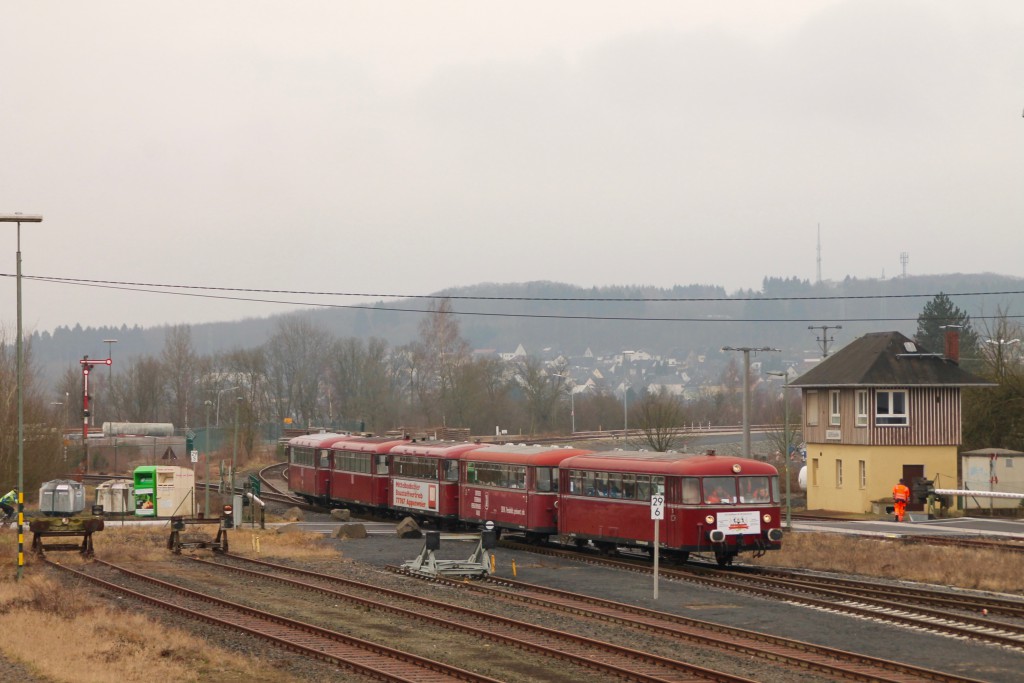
{"x":405,"y":147}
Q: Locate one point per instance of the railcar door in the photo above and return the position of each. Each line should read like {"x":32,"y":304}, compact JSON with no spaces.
{"x":323,"y":475}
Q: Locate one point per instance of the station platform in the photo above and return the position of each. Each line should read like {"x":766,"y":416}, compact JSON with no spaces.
{"x":919,"y":525}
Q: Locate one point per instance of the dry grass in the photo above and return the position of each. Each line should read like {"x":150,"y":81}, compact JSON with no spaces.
{"x":892,"y":559}
{"x":119,"y":645}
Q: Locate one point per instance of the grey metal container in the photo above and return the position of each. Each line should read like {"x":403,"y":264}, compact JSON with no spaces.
{"x":117,"y":496}
{"x":61,"y":497}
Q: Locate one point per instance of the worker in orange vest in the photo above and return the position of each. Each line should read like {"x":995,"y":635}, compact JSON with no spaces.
{"x":900,"y":495}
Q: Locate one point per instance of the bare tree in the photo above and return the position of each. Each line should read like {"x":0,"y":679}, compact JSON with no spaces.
{"x":41,"y":449}
{"x":661,"y":418}
{"x":180,"y":373}
{"x":296,"y":355}
{"x":439,"y":357}
{"x":542,"y":390}
{"x":247,"y":369}
{"x":139,"y":391}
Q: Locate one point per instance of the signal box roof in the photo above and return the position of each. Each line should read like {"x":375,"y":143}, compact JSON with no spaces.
{"x":686,"y":464}
{"x":521,"y":454}
{"x":436,"y":449}
{"x":887,"y":359}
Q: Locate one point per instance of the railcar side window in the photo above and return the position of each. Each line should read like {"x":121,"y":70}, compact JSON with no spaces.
{"x":643,"y":487}
{"x":691,"y":491}
{"x":496,"y":474}
{"x":382,"y":464}
{"x":547,"y":479}
{"x":451,"y":470}
{"x":302,"y":456}
{"x":615,"y":485}
{"x":629,"y":486}
{"x":718,"y":490}
{"x":658,"y":486}
{"x":775,"y":489}
{"x":412,"y":466}
{"x":352,"y":462}
{"x":325,"y":459}
{"x":754,"y":490}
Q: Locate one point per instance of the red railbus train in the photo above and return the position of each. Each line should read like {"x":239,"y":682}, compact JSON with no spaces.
{"x":425,"y":479}
{"x":712,"y":503}
{"x":718,"y":504}
{"x":515,"y":487}
{"x":309,"y":468}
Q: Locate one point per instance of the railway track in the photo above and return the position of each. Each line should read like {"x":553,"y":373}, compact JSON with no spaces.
{"x":825,"y":660}
{"x":861,"y":599}
{"x":585,"y":653}
{"x":367,"y":658}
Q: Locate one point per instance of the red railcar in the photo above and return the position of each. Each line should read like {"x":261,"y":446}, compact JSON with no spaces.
{"x":360,"y":472}
{"x":513,"y":486}
{"x":425,"y":479}
{"x":309,"y":468}
{"x":712,"y":503}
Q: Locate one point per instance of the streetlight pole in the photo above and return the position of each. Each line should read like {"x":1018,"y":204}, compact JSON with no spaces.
{"x":206,"y":458}
{"x":234,"y":451}
{"x":785,"y":437}
{"x":219,"y":392}
{"x":572,"y":400}
{"x":110,"y":376}
{"x":20,"y":218}
{"x":999,"y":344}
{"x":746,"y":390}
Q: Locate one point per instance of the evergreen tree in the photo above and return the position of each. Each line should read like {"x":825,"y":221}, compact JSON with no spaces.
{"x":939,"y":313}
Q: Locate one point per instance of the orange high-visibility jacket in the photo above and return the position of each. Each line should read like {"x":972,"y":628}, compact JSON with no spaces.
{"x":900,"y":492}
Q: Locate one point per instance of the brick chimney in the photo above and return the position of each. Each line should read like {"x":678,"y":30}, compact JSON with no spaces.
{"x":952,"y":351}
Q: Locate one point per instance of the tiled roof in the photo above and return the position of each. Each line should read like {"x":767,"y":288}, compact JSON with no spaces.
{"x":887,"y":359}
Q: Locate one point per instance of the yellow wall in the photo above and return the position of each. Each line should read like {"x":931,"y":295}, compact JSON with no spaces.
{"x":883,"y":468}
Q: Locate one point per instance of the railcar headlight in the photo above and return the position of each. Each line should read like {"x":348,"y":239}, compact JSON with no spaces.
{"x":767,"y":518}
{"x":710,"y":519}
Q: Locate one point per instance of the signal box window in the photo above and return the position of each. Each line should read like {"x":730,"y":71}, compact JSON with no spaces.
{"x":833,"y":412}
{"x":719,"y":490}
{"x":862,"y":408}
{"x":811,"y":409}
{"x":891,"y":408}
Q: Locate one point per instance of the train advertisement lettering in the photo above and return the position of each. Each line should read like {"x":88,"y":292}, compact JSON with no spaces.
{"x":417,"y":495}
{"x":739,"y":522}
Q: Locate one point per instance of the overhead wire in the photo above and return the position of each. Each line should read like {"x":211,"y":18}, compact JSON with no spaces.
{"x":201,"y":291}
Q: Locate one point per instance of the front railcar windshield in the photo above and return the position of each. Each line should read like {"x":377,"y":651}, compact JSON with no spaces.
{"x":719,"y":490}
{"x":754,"y":490}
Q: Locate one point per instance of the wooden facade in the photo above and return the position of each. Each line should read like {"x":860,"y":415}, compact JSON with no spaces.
{"x":933,"y":418}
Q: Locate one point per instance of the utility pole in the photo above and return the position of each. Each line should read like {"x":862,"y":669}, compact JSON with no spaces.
{"x":825,"y":340}
{"x":746,"y":390}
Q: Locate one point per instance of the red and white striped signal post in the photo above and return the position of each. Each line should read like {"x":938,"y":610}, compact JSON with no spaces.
{"x":87,"y":366}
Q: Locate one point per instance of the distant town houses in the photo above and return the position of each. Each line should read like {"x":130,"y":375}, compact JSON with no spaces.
{"x":637,"y":371}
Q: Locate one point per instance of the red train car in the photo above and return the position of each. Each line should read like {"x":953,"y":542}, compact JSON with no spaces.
{"x":513,"y":486}
{"x":425,"y":479}
{"x":360,"y":475}
{"x":309,"y":467}
{"x":713,"y":503}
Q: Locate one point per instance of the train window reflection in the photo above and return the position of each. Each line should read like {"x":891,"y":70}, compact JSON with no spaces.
{"x":691,"y":491}
{"x":754,"y":490}
{"x":719,"y":490}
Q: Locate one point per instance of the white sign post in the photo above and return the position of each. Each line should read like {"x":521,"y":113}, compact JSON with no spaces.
{"x":657,"y":514}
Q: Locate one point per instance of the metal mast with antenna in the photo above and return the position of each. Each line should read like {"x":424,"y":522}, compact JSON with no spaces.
{"x":825,"y":340}
{"x":819,"y":253}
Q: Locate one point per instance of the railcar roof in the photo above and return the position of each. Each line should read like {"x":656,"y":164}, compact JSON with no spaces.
{"x":648,"y":462}
{"x":367,"y":444}
{"x":524,"y":454}
{"x":320,"y":440}
{"x":440,"y":449}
